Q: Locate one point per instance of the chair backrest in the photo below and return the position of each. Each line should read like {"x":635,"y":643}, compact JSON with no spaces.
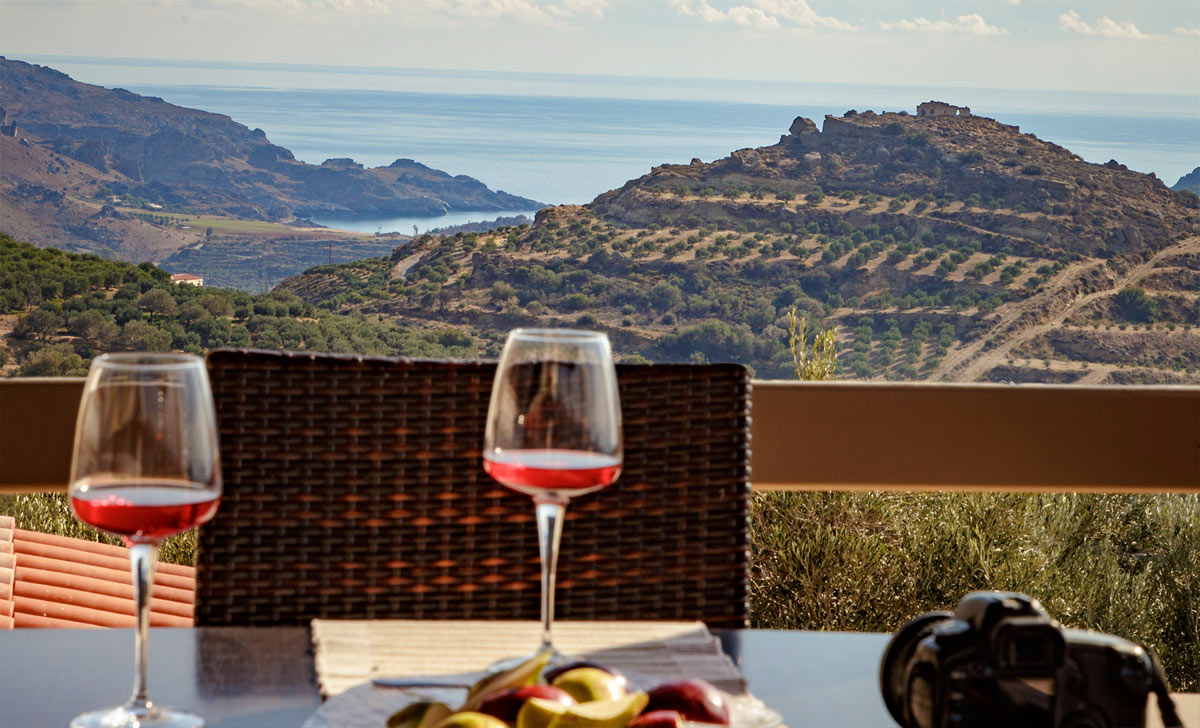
{"x":354,"y":489}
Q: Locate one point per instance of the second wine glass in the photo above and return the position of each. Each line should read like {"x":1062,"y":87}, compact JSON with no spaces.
{"x":553,"y":432}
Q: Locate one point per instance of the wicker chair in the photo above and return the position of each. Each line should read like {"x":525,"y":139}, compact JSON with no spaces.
{"x":353,"y":489}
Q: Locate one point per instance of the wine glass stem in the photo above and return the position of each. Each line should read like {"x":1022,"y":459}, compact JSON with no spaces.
{"x":550,"y":514}
{"x":142,"y":557}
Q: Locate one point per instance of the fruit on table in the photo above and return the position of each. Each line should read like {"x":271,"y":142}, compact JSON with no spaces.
{"x":609,"y":713}
{"x":505,"y":704}
{"x":694,"y":699}
{"x":471,"y":719}
{"x":658,"y":719}
{"x":527,"y":673}
{"x":551,"y":674}
{"x":586,"y":684}
{"x":424,"y":714}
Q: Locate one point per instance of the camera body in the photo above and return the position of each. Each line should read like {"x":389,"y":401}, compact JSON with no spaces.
{"x":1000,"y":661}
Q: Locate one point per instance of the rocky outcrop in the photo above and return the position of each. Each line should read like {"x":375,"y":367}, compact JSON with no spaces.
{"x":802,"y":126}
{"x":1189,"y":182}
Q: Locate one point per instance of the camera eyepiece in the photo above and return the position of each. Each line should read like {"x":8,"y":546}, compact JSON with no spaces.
{"x":1027,"y":646}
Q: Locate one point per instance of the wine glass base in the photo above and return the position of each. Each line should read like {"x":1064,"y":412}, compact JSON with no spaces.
{"x":126,"y":717}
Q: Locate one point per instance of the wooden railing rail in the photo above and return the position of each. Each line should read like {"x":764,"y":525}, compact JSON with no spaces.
{"x":835,"y":436}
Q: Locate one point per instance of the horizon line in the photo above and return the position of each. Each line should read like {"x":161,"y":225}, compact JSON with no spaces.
{"x":550,"y":75}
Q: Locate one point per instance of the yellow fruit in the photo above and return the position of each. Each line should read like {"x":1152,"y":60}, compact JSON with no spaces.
{"x":613,"y":713}
{"x":470,"y":719}
{"x":527,"y":673}
{"x":540,"y":713}
{"x":419,"y":715}
{"x":586,"y":684}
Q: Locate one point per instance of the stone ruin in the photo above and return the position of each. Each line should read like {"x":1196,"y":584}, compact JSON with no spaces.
{"x":941,"y":108}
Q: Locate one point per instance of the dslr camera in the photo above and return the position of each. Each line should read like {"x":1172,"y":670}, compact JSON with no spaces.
{"x":1000,"y":661}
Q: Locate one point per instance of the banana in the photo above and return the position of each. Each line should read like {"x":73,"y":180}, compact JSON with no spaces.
{"x":527,"y":673}
{"x":419,"y":715}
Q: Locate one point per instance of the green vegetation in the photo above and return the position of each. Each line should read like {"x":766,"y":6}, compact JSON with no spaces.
{"x":1133,"y":305}
{"x":214,"y":224}
{"x":691,"y":291}
{"x":69,"y":307}
{"x":1126,"y":565}
{"x":815,"y":359}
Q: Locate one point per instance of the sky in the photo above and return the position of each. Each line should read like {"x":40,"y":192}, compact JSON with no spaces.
{"x":1146,"y":46}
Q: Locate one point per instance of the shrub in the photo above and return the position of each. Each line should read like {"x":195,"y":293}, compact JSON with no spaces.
{"x":1133,"y":304}
{"x":1122,"y":564}
{"x":576,"y":302}
{"x":1031,"y":169}
{"x":918,"y":139}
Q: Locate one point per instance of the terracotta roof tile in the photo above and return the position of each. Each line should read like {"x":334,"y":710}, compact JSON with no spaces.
{"x":55,"y":581}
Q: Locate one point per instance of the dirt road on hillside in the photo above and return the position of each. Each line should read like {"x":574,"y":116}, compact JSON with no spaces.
{"x":970,"y":363}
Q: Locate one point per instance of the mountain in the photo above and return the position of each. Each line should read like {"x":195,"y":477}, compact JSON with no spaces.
{"x":210,"y":163}
{"x":71,"y":148}
{"x":950,"y":247}
{"x":1032,"y":195}
{"x":1189,"y":182}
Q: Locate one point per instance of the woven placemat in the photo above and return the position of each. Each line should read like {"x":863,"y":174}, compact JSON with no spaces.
{"x":351,"y":652}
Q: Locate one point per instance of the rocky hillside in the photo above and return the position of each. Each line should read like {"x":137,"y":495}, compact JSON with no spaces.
{"x":948,"y":248}
{"x":209,"y":163}
{"x":1018,"y":191}
{"x":1189,"y":182}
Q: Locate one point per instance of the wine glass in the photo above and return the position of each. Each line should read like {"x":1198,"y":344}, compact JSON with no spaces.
{"x":145,"y":467}
{"x":553,"y":432}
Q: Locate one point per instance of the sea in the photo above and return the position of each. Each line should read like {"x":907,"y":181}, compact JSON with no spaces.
{"x":563,"y":138}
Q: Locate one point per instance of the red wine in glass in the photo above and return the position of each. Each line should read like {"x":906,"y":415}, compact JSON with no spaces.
{"x":556,"y":473}
{"x":146,"y":511}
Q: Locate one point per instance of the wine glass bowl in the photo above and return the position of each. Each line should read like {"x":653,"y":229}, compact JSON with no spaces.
{"x":553,"y":431}
{"x":145,"y":467}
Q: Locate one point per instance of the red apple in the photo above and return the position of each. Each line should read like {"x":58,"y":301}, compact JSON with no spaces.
{"x":658,"y":719}
{"x":505,"y":704}
{"x":694,"y":699}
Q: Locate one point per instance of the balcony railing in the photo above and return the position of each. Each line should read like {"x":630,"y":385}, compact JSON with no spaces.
{"x":835,"y":436}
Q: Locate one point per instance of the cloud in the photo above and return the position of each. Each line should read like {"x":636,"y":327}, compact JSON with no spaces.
{"x":762,"y":14}
{"x":972,"y":24}
{"x":1112,"y":29}
{"x":1187,"y":31}
{"x":590,"y":8}
{"x":1072,"y":22}
{"x":753,"y":17}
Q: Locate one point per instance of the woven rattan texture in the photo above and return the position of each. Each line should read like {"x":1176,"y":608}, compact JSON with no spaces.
{"x":353,"y":489}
